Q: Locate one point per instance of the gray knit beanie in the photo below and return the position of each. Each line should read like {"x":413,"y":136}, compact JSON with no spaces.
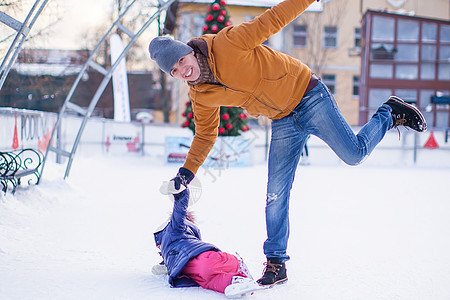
{"x":166,"y":52}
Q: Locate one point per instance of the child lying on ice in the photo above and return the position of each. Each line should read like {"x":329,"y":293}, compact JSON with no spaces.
{"x":192,"y":262}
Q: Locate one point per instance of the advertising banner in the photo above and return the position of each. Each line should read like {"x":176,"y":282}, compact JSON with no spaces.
{"x":120,"y":82}
{"x":227,"y":152}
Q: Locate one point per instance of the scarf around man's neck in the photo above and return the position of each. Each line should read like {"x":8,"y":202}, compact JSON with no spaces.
{"x":201,"y":53}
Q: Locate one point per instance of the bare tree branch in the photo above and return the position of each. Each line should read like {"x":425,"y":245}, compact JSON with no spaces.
{"x":316,"y":55}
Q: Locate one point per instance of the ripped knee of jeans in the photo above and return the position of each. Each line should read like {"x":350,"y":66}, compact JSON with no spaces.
{"x":271,"y":197}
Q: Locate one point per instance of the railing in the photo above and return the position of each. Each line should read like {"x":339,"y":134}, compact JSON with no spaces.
{"x":18,"y":165}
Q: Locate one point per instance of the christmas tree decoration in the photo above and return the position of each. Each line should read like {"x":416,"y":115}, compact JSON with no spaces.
{"x":217,"y":15}
{"x":233,"y":120}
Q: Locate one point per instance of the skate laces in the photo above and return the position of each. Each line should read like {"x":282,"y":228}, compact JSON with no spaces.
{"x":271,"y":267}
{"x":237,"y":279}
{"x":399,"y":121}
{"x":243,"y":269}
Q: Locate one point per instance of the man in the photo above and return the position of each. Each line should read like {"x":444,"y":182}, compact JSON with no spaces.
{"x":233,"y":68}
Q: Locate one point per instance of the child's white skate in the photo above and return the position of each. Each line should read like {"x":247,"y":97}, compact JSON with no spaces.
{"x":243,"y":269}
{"x":241,"y":286}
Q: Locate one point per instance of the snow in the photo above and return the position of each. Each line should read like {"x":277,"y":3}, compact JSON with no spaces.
{"x":366,"y":232}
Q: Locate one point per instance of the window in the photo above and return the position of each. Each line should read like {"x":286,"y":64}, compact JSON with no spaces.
{"x":330,"y":37}
{"x":427,"y":71}
{"x":330,"y":82}
{"x":358,"y":38}
{"x":429,"y":32}
{"x":444,"y":66}
{"x":407,"y":31}
{"x":355,"y":86}
{"x":381,"y":71}
{"x":428,"y":53}
{"x":382,"y":51}
{"x":190,"y":25}
{"x":444,"y":72}
{"x":407,"y":53}
{"x":425,"y":98}
{"x":299,"y":35}
{"x":407,"y":72}
{"x":445,"y":33}
{"x":199,"y":21}
{"x":428,"y":66}
{"x":383,"y":29}
{"x":377,"y":97}
{"x":185,"y":33}
{"x":408,"y":95}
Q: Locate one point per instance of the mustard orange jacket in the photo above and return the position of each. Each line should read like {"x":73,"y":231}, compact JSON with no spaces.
{"x":252,"y":76}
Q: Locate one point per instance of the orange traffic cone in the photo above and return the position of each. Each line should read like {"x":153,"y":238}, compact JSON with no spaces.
{"x":431,"y":143}
{"x":15,"y":143}
{"x":43,"y":143}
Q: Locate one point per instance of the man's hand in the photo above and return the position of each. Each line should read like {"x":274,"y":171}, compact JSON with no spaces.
{"x":177,"y":184}
{"x":184,"y":177}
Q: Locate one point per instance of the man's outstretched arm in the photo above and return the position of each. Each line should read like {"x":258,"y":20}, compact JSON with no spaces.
{"x":255,"y":32}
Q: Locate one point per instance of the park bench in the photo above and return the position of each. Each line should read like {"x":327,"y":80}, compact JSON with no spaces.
{"x":18,"y":165}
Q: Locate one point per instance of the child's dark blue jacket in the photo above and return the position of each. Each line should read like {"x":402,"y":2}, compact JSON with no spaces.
{"x":180,"y":241}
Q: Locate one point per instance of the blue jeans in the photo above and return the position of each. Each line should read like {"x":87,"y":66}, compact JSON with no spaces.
{"x":317,"y":114}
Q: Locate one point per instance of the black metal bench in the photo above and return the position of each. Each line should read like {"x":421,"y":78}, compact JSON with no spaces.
{"x":17,"y":165}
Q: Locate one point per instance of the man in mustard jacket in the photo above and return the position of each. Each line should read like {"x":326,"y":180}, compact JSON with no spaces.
{"x":233,"y":68}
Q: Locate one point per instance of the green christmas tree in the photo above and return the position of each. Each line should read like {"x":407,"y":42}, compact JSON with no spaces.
{"x":217,"y":17}
{"x":233,"y":120}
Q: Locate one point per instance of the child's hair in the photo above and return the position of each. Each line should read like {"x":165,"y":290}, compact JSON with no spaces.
{"x":191,"y":217}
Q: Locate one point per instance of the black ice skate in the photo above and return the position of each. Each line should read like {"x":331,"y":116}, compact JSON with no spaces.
{"x":274,"y":273}
{"x":404,"y":114}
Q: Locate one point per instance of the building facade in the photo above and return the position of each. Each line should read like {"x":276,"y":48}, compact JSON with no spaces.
{"x":407,"y":56}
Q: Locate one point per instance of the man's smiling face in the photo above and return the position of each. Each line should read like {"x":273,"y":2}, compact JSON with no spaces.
{"x":186,"y":68}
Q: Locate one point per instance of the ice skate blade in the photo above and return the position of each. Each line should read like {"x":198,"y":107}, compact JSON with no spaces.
{"x":244,"y":293}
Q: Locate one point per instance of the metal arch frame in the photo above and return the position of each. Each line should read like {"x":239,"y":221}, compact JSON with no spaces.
{"x":23,"y":29}
{"x":163,"y":5}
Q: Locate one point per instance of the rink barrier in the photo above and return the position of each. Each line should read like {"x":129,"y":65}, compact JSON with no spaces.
{"x":18,"y":165}
{"x":107,"y":137}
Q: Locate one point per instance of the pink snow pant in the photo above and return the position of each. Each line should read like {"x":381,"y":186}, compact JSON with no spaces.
{"x":213,"y":270}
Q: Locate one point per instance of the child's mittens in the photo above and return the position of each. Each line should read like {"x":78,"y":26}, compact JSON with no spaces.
{"x":159,"y":269}
{"x":168,"y":188}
